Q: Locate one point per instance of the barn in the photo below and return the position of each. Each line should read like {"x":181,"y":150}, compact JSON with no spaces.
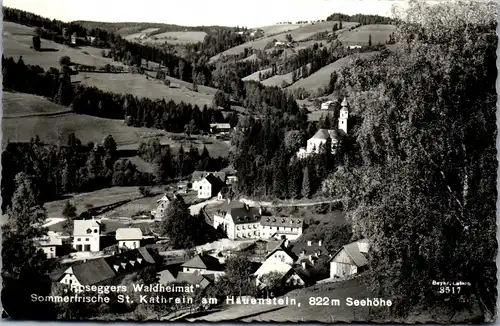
{"x":350,"y":259}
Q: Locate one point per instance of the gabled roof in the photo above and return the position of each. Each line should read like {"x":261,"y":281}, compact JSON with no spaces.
{"x":220,"y":125}
{"x":165,"y":277}
{"x":299,"y":248}
{"x":293,"y":222}
{"x":168,"y":197}
{"x":194,"y":278}
{"x":214,"y":181}
{"x":93,"y":272}
{"x":273,"y":266}
{"x":49,"y":241}
{"x":198,"y":175}
{"x":325,"y":134}
{"x":204,"y":262}
{"x":282,"y":247}
{"x":352,"y":250}
{"x":80,"y":227}
{"x":128,"y":234}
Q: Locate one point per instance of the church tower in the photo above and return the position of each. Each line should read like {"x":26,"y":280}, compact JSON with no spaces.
{"x":344,"y":115}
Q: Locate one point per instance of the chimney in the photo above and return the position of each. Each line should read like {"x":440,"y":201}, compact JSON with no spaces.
{"x":309,"y":243}
{"x":320,"y":242}
{"x":286,"y":243}
{"x":303,"y":264}
{"x":311,"y":259}
{"x":228,"y":201}
{"x":260,"y":210}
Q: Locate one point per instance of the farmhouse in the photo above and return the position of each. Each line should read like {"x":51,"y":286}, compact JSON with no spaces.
{"x":353,"y":47}
{"x":49,"y":244}
{"x":204,"y":264}
{"x":163,"y":203}
{"x":310,"y":248}
{"x":208,"y":187}
{"x":220,"y":128}
{"x":326,"y":105}
{"x":107,"y":271}
{"x":322,"y":136}
{"x":128,"y":238}
{"x":201,"y":280}
{"x":86,"y":235}
{"x":350,"y":259}
{"x":165,"y":277}
{"x":289,"y":276}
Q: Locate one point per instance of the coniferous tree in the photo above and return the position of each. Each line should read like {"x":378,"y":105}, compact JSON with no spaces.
{"x":306,"y":183}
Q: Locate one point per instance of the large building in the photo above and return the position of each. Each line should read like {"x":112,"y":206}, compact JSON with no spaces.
{"x":322,"y":136}
{"x":87,"y":235}
{"x":208,"y":187}
{"x":240,"y":221}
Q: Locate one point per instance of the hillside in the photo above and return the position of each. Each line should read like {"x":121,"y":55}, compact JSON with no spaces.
{"x":139,"y":86}
{"x":255,"y":75}
{"x":278,"y":80}
{"x":321,"y":78}
{"x":17,"y":40}
{"x":300,"y":33}
{"x":359,"y":36}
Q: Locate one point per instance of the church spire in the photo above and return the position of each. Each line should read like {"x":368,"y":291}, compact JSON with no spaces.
{"x":344,"y":103}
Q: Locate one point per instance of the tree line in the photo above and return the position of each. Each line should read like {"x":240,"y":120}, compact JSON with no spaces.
{"x":359,"y":18}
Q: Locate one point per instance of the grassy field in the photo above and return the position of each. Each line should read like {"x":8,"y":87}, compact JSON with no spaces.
{"x":255,"y":75}
{"x":19,"y":105}
{"x":321,"y":78}
{"x":298,"y":34}
{"x":138,"y":85}
{"x":280,"y":28}
{"x":169,"y":37}
{"x":17,"y":40}
{"x":359,"y":36}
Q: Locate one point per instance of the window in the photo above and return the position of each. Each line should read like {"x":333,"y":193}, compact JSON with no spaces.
{"x":123,"y":243}
{"x":278,"y":228}
{"x":78,"y":247}
{"x":86,"y":248}
{"x":95,"y":230}
{"x":51,"y":249}
{"x":70,"y":281}
{"x":86,"y":239}
{"x":79,"y":239}
{"x":135,"y":245}
{"x":201,"y":187}
{"x":89,"y":231}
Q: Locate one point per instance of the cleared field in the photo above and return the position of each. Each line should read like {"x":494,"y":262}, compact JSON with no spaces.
{"x":139,"y":86}
{"x":359,"y":36}
{"x":253,"y":57}
{"x":278,"y":80}
{"x":143,"y":32}
{"x":281,"y":28}
{"x":169,"y":37}
{"x":52,"y":129}
{"x":142,"y":165}
{"x":17,"y":40}
{"x":255,"y":75}
{"x":297,"y":34}
{"x":321,"y":78}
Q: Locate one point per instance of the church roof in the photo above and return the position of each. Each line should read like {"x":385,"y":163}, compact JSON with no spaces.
{"x":344,"y":102}
{"x":325,"y":134}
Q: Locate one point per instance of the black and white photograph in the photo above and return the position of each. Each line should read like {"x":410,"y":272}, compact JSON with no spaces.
{"x":278,"y":161}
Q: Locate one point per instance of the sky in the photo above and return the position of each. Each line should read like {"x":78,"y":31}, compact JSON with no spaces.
{"x":249,"y":13}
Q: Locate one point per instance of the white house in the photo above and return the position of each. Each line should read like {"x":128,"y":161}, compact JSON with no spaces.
{"x":204,"y":264}
{"x":163,"y":203}
{"x":208,"y":187}
{"x":49,"y":244}
{"x":354,"y":47}
{"x":278,"y":227}
{"x":220,"y":128}
{"x":350,"y":259}
{"x":238,"y":220}
{"x":323,"y":135}
{"x":326,"y":105}
{"x":129,"y":238}
{"x":86,"y":235}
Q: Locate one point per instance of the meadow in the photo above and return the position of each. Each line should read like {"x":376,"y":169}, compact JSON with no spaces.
{"x":140,"y":86}
{"x":360,"y":36}
{"x":185,"y":37}
{"x":17,"y":40}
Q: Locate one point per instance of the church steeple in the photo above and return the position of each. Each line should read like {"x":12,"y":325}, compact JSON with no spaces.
{"x":344,"y":115}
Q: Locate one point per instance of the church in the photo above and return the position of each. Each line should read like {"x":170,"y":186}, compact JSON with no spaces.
{"x":322,"y":136}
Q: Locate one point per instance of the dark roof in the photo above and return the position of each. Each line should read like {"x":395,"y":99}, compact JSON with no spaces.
{"x":299,"y":248}
{"x":93,"y":272}
{"x":240,"y":213}
{"x":204,"y":262}
{"x":198,"y":175}
{"x":282,"y":246}
{"x":326,"y":134}
{"x":194,"y":278}
{"x":166,"y":276}
{"x":272,"y":244}
{"x":103,"y":269}
{"x":293,"y":222}
{"x":352,"y":250}
{"x":214,"y":181}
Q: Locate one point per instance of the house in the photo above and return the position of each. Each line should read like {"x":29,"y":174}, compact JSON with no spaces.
{"x":311,"y":248}
{"x":204,"y":264}
{"x":238,"y":220}
{"x":353,"y":47}
{"x":73,"y":39}
{"x":326,"y":105}
{"x":289,"y":275}
{"x":281,"y":227}
{"x":231,"y":179}
{"x":165,"y":277}
{"x":350,"y":259}
{"x":324,"y":135}
{"x":208,"y":187}
{"x":107,"y":271}
{"x":279,"y":43}
{"x":257,"y":33}
{"x":50,"y":244}
{"x":220,"y":128}
{"x":199,"y":175}
{"x":163,"y":203}
{"x":86,"y":235}
{"x":282,"y":253}
{"x":129,"y":238}
{"x":199,"y":280}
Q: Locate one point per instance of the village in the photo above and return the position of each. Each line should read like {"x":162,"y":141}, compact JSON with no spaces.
{"x":270,"y":243}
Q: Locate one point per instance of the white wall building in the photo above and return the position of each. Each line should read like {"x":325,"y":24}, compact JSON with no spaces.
{"x":86,"y":235}
{"x":350,"y":259}
{"x":326,"y":105}
{"x":49,"y":244}
{"x":129,"y":238}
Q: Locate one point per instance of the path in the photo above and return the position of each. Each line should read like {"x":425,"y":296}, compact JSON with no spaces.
{"x":195,"y":209}
{"x":289,"y":204}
